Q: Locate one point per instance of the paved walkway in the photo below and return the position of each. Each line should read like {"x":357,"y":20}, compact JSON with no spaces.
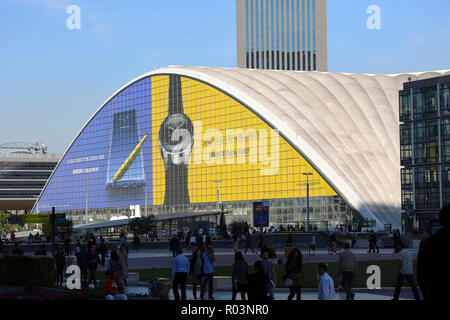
{"x":159,"y":258}
{"x":382,"y":294}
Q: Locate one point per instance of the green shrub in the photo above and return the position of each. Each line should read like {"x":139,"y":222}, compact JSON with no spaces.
{"x":30,"y":270}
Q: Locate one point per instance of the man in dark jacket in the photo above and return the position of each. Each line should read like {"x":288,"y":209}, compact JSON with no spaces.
{"x":82,"y":262}
{"x":174,"y":245}
{"x":433,"y":253}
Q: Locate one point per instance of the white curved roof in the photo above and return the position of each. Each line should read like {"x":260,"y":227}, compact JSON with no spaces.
{"x":345,"y":125}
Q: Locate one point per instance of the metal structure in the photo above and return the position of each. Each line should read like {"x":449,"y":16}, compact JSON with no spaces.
{"x":23,"y":147}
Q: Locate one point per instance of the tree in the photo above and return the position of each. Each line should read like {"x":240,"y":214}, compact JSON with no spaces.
{"x":141,"y":226}
{"x":5,"y":226}
{"x":239,"y":227}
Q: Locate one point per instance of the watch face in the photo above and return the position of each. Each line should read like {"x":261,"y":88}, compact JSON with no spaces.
{"x":176,"y":134}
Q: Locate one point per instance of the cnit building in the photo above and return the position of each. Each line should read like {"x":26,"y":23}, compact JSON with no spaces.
{"x":176,"y":141}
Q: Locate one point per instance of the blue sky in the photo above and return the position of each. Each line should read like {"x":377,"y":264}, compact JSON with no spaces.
{"x":53,"y":79}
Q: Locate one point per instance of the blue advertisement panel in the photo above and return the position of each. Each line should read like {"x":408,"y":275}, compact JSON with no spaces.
{"x":110,"y":163}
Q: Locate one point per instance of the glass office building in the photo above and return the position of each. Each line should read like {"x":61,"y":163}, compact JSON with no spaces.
{"x":282,"y":34}
{"x":425,"y":150}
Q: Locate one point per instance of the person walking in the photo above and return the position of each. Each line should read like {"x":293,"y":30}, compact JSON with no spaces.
{"x":269,"y":268}
{"x":123,"y":258}
{"x":257,"y":283}
{"x":180,"y":270}
{"x":103,"y":250}
{"x":248,"y":242}
{"x":239,"y":276}
{"x":405,"y":264}
{"x":60,"y":262}
{"x":354,"y":238}
{"x":193,"y":242}
{"x":260,"y":242}
{"x":67,"y":242}
{"x":397,"y":240}
{"x":433,"y":251}
{"x":313,"y":244}
{"x":114,"y":289}
{"x":174,"y":244}
{"x":92,"y":262}
{"x":208,"y":271}
{"x":294,"y":274}
{"x":347,"y":270}
{"x":373,"y":242}
{"x":326,"y":283}
{"x":82,"y":262}
{"x":196,"y":272}
{"x":235,"y":242}
{"x":289,"y":240}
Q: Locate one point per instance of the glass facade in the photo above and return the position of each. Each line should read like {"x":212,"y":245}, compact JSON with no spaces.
{"x":170,"y":145}
{"x":281,"y":34}
{"x":24,"y":179}
{"x":425,"y":148}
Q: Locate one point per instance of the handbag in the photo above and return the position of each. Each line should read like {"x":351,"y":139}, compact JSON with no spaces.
{"x":288,"y":282}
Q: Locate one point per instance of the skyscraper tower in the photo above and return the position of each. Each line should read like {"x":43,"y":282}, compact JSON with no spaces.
{"x":282,"y":34}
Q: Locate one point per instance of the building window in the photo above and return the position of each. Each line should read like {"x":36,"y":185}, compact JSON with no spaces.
{"x":405,"y":144}
{"x":427,"y":188}
{"x":445,"y":99}
{"x":425,"y":100}
{"x":426,"y":148}
{"x":405,"y":105}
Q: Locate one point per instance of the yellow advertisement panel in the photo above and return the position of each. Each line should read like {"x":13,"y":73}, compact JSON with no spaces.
{"x":204,"y":141}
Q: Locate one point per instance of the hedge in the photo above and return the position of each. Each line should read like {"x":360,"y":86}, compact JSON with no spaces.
{"x":27,"y":271}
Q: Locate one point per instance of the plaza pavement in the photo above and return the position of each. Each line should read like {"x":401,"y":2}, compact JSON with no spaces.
{"x":160,"y":258}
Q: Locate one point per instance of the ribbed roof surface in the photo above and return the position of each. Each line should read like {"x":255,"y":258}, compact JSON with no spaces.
{"x":345,"y":125}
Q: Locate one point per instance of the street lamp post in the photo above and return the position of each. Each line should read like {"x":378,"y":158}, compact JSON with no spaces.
{"x":217,"y":182}
{"x":86,"y":213}
{"x":307,"y":174}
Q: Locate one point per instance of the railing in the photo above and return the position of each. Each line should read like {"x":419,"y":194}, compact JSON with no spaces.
{"x":49,"y":156}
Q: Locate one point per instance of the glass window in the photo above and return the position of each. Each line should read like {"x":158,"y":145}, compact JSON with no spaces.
{"x":405,"y":105}
{"x":425,"y":100}
{"x":427,"y":188}
{"x":426,"y":142}
{"x":445,"y":99}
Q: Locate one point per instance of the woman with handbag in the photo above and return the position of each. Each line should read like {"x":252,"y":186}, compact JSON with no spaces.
{"x":293,"y":277}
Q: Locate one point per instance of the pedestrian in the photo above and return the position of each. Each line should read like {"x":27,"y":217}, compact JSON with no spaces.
{"x":103,"y":250}
{"x":239,"y":276}
{"x":188,"y":239}
{"x":114,"y":289}
{"x":354,"y":238}
{"x":92,"y":261}
{"x":114,"y":264}
{"x":82,"y":262}
{"x":208,"y":271}
{"x":289,"y":240}
{"x":196,"y":273}
{"x":30,"y":238}
{"x":397,"y":240}
{"x":60,"y":261}
{"x":257,"y":283}
{"x":373,"y":242}
{"x":313,"y":244}
{"x":136,"y":242}
{"x":260,"y":242}
{"x":248,"y":242}
{"x":293,"y":276}
{"x":269,"y":269}
{"x":208,"y":241}
{"x":433,"y":252}
{"x":67,"y":246}
{"x":193,"y":242}
{"x":174,"y":244}
{"x":180,"y":270}
{"x":42,"y":251}
{"x":347,"y":270}
{"x":235,"y":242}
{"x":326,"y":283}
{"x":123,"y":258}
{"x":405,"y":264}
